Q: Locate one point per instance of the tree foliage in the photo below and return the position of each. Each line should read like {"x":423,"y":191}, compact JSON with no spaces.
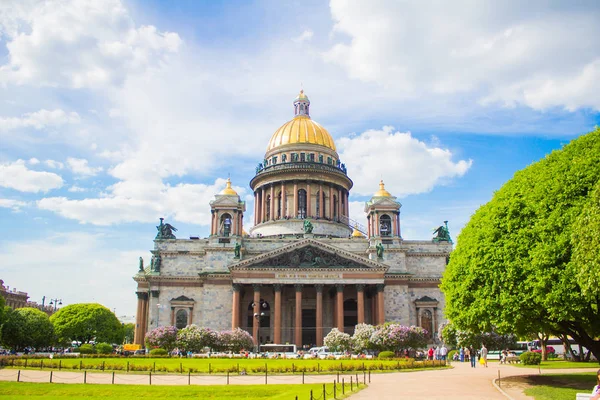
{"x":85,"y":322}
{"x":395,"y":337}
{"x":338,"y":341}
{"x":164,"y":337}
{"x":235,"y":340}
{"x":520,"y":264}
{"x":193,"y":338}
{"x":27,"y":327}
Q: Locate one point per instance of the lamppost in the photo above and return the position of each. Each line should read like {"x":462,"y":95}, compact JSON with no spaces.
{"x":263,"y":306}
{"x":53,"y":302}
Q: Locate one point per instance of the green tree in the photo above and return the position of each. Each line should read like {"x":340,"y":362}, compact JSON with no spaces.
{"x":27,"y":327}
{"x":514,"y":267}
{"x":128,"y":332}
{"x":85,"y":322}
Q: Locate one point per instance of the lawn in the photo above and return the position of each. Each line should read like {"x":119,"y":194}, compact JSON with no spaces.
{"x":220,"y":365}
{"x":560,"y":387}
{"x":48,"y":391}
{"x":560,"y":364}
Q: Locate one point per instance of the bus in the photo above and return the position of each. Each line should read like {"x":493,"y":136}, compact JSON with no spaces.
{"x":279,"y":350}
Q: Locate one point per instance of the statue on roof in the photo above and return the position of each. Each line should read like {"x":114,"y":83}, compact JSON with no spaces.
{"x":442,"y":234}
{"x":237,"y":250}
{"x":379,"y":249}
{"x":165,"y":231}
{"x":141,"y":264}
{"x":155,"y":264}
{"x":308,"y":226}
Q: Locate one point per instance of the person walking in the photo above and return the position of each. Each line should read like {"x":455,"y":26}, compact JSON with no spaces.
{"x":484,"y":353}
{"x":462,"y":354}
{"x":473,"y":356}
{"x":443,"y":352}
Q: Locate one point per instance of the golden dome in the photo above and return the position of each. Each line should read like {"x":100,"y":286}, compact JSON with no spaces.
{"x":301,"y":130}
{"x":356,"y":233}
{"x":228,"y":190}
{"x":382,"y":192}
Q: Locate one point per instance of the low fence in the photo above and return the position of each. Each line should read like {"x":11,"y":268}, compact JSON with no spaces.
{"x":340,"y":383}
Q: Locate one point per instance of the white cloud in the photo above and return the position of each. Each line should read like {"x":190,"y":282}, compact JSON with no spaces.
{"x":54,"y":164}
{"x":540,"y":54}
{"x":304,"y":36}
{"x":80,"y":166}
{"x":406,"y":165}
{"x":78,"y":43}
{"x":141,"y":201}
{"x":17,"y":176}
{"x":77,"y":189}
{"x":39,"y":120}
{"x":103,"y":274}
{"x":15,"y":205}
{"x":33,"y":161}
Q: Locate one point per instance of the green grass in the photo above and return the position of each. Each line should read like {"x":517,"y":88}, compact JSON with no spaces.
{"x":560,"y":364}
{"x":560,"y":387}
{"x":50,"y":391}
{"x":222,"y":365}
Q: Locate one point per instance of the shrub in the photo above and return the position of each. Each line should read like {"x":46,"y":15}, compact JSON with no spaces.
{"x":451,"y":354}
{"x":164,"y":337}
{"x":158,"y":352}
{"x":387,"y":354}
{"x":104,"y":348}
{"x":86,"y":349}
{"x":530,"y":358}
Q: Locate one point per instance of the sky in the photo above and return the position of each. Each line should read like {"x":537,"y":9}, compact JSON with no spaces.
{"x":114,"y":113}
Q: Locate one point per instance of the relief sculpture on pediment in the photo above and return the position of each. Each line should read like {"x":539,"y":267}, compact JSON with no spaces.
{"x":310,"y":257}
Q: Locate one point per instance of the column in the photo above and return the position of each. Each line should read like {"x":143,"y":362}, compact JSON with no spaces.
{"x":234,"y":223}
{"x":272,"y":202}
{"x":235,"y":312}
{"x":139,"y":319}
{"x":360,"y":300}
{"x":298,"y":327}
{"x":340,"y":307}
{"x":173,"y":316}
{"x":380,"y":305}
{"x":376,"y":224}
{"x":398,"y":223}
{"x":256,"y":311}
{"x":255,"y":208}
{"x":241,"y":225}
{"x":339,"y":205}
{"x":277,"y":323}
{"x":319,"y":289}
{"x":374,"y":309}
{"x":347,"y":205}
{"x":308,"y":200}
{"x":262,"y":205}
{"x":283,"y":201}
{"x":321,"y":214}
{"x":394,"y":230}
{"x":368,"y":226}
{"x":331,"y":202}
{"x":295,"y":210}
{"x":190,"y":315}
{"x":145,"y":306}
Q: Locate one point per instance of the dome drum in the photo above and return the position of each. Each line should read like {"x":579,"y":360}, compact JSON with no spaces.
{"x":295,"y":227}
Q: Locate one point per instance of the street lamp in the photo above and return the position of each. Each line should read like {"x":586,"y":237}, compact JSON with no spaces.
{"x":53,"y":302}
{"x":258,"y":316}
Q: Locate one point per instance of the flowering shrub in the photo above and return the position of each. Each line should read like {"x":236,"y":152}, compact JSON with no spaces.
{"x":338,"y":341}
{"x":394,"y":337}
{"x":361,"y":340}
{"x":235,"y":340}
{"x":194,"y":339}
{"x":164,"y":337}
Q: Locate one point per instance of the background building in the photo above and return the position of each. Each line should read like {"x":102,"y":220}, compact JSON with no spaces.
{"x":306,"y":267}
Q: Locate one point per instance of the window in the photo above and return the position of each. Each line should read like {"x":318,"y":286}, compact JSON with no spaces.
{"x":385,"y":225}
{"x":329,"y":160}
{"x":274,"y":160}
{"x":302,"y":157}
{"x":426,"y":322}
{"x":301,"y":203}
{"x":321,"y":158}
{"x":268,"y":207}
{"x":311,"y":157}
{"x":181,"y":319}
{"x":283,"y":157}
{"x":279,"y":196}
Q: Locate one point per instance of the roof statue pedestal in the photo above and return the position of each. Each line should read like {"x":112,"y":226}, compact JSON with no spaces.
{"x":306,"y":267}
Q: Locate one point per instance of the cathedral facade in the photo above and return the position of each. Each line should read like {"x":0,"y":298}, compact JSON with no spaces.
{"x":305,"y":267}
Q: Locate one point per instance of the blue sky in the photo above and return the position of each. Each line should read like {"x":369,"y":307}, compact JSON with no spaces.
{"x":115,"y":113}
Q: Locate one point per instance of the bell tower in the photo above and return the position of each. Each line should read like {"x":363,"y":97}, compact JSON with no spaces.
{"x":383,"y":214}
{"x":227,"y":213}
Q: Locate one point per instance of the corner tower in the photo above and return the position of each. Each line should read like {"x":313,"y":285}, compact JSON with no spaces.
{"x":301,"y":177}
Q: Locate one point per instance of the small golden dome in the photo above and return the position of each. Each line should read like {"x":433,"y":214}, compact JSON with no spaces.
{"x":301,"y":129}
{"x":228,"y":190}
{"x":382,"y":192}
{"x":356,"y":233}
{"x":302,"y":96}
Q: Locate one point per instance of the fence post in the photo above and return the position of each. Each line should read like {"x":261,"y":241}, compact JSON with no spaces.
{"x":228,"y":377}
{"x":364,"y":377}
{"x":51,"y":376}
{"x":84,"y":377}
{"x":181,"y":368}
{"x":127,"y":366}
{"x":113,"y":378}
{"x":324,"y":393}
{"x":318,"y":368}
{"x":343,"y":387}
{"x":150,"y":378}
{"x":357,"y":379}
{"x":334,"y":390}
{"x":369,"y":376}
{"x":80,"y":365}
{"x":102,"y":365}
{"x":303,"y":377}
{"x":189,"y":377}
{"x":238,"y":368}
{"x":42,"y":363}
{"x":154,"y":367}
{"x":266,"y":372}
{"x":311,"y":396}
{"x":25,"y":363}
{"x":18,"y":375}
{"x":293,"y":368}
{"x":338,"y":376}
{"x":209,"y":368}
{"x":351,"y":387}
{"x":59,"y":364}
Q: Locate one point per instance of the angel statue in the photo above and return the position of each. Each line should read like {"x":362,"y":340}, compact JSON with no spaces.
{"x":379,"y":249}
{"x":165,"y":231}
{"x":141,"y":264}
{"x":442,"y":233}
{"x":308,"y":226}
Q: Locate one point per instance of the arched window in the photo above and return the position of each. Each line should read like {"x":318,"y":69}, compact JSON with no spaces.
{"x":335,"y":207}
{"x":301,"y":203}
{"x":181,"y":319}
{"x":427,"y":322}
{"x":268,"y":208}
{"x":385,"y":225}
{"x":225,"y":225}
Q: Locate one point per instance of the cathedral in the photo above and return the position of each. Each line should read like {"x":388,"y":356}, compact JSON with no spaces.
{"x":305,"y":267}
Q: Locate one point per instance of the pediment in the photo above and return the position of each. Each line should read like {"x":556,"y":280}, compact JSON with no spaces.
{"x":309,"y":253}
{"x":182,"y":298}
{"x":382,"y":202}
{"x":225,"y":200}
